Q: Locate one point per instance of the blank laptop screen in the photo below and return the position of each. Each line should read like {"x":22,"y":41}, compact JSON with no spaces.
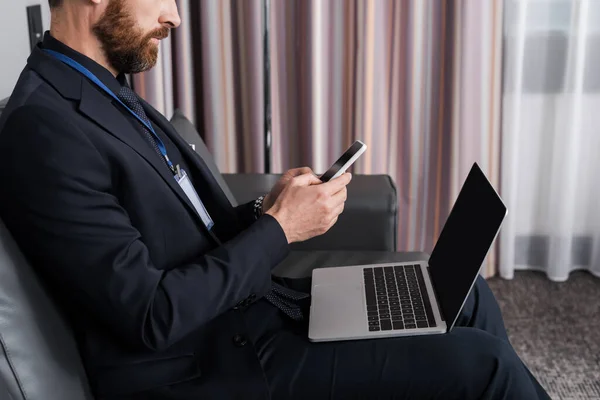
{"x":464,"y":242}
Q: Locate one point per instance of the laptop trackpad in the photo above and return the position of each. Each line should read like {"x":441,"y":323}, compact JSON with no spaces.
{"x":338,"y":310}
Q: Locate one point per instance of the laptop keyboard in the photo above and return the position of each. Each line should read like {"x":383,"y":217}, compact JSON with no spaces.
{"x":397,"y":298}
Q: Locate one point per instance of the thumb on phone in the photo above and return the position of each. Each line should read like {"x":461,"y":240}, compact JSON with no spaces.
{"x":306,"y":179}
{"x":337,"y":184}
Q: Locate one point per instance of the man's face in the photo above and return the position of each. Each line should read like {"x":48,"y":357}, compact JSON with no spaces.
{"x":130,"y":30}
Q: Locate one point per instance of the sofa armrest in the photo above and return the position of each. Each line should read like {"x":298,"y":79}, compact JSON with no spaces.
{"x":369,"y":221}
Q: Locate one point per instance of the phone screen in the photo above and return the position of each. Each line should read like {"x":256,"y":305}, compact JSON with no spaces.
{"x":341,"y":162}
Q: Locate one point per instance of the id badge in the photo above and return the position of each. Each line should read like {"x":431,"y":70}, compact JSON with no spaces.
{"x":190,"y":192}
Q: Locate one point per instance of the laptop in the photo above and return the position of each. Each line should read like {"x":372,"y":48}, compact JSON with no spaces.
{"x":411,"y":298}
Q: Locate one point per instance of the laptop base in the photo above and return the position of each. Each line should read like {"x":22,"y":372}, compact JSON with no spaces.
{"x":342,"y":306}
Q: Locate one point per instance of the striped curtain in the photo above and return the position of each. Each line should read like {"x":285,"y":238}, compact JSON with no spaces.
{"x":417,"y":80}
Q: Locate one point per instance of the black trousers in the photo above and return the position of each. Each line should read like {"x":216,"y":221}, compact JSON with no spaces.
{"x":474,"y":361}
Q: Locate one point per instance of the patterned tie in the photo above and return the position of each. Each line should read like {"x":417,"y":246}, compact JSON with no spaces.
{"x":281,"y":297}
{"x":130,"y":99}
{"x":286,"y":300}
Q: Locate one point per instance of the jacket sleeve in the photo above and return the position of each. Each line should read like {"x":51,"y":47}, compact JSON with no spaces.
{"x":57,"y":202}
{"x":245,"y":213}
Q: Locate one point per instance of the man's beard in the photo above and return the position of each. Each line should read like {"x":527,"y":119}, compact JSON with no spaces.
{"x":127,"y":48}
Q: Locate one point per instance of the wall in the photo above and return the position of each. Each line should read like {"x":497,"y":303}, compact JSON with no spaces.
{"x":14,"y":40}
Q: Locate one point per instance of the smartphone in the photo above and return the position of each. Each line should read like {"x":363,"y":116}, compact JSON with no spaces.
{"x":345,"y":161}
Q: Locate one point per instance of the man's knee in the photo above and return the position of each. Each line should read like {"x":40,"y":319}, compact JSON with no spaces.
{"x":473,"y":364}
{"x":483,"y":310}
{"x":491,"y":357}
{"x":500,"y":350}
{"x":485,"y":296}
{"x":482,"y":290}
{"x":506,"y":375}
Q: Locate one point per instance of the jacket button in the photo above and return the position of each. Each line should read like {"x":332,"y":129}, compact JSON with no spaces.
{"x":239,"y":340}
{"x":241,"y":305}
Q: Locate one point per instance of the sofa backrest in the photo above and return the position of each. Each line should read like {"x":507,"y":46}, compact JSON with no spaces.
{"x":4,"y":394}
{"x":39,"y":359}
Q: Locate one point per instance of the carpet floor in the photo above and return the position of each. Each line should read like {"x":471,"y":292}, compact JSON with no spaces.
{"x":555,"y":328}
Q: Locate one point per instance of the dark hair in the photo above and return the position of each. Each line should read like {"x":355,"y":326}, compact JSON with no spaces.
{"x":54,"y":3}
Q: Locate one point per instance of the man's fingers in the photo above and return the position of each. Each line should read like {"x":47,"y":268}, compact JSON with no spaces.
{"x":299,"y":171}
{"x":332,"y":223}
{"x":339,"y":210}
{"x":337,"y":184}
{"x":339,"y":197}
{"x":306,"y":179}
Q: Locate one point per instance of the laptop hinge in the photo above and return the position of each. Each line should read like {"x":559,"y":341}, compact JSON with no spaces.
{"x":437,"y":298}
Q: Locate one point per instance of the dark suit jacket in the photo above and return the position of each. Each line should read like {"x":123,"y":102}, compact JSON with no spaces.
{"x":151,"y":293}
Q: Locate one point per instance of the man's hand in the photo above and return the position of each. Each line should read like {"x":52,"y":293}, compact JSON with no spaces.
{"x":281,"y":184}
{"x":306,"y":208}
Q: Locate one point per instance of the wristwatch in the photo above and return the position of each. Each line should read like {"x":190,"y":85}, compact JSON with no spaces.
{"x":258,"y":207}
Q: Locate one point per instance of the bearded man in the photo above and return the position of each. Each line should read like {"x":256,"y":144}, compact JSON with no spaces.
{"x":167,"y":286}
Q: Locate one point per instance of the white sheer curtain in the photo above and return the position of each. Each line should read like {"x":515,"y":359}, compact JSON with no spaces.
{"x":551,"y":137}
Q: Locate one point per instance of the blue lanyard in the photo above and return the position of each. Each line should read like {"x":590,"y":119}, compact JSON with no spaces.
{"x":72,"y":63}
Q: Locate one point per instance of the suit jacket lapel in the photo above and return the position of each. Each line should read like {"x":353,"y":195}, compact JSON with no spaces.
{"x":103,"y":112}
{"x":100,"y":109}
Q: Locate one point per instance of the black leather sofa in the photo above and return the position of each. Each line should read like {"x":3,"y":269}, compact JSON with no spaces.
{"x":38,"y":355}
